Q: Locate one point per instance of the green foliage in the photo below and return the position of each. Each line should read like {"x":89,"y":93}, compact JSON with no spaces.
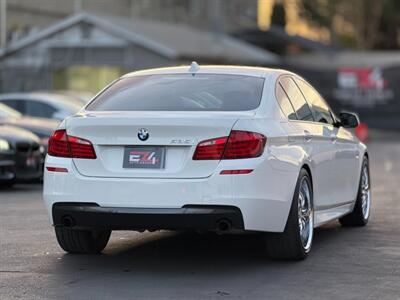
{"x":376,"y":23}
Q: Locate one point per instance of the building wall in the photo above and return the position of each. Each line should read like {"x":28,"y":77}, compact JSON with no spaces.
{"x":77,"y":58}
{"x":225,"y":15}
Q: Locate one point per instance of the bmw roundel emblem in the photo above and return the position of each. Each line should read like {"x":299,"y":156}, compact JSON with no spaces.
{"x":143,"y":134}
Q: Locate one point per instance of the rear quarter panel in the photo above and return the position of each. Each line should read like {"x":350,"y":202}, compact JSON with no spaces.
{"x":272,"y":185}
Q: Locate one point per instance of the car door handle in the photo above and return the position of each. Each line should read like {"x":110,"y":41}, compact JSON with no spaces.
{"x":307,"y":136}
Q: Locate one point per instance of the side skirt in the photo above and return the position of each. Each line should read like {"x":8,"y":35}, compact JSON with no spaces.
{"x":325,"y":215}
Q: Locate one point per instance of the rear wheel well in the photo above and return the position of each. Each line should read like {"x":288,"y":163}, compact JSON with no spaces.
{"x":366,"y":155}
{"x":307,"y":168}
{"x":289,"y":243}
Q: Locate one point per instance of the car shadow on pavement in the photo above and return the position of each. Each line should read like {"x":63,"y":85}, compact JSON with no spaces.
{"x":21,"y":187}
{"x":164,"y":251}
{"x":191,"y":252}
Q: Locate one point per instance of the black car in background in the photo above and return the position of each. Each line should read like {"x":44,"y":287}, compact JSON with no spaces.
{"x":43,"y":128}
{"x":21,"y":156}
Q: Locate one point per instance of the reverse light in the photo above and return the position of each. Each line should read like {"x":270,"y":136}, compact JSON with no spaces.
{"x":239,"y":144}
{"x":63,"y":145}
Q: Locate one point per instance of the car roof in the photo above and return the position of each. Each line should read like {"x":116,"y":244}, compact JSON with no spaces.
{"x":212,"y":69}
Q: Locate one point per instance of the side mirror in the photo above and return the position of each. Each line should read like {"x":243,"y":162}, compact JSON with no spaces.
{"x":349,"y":120}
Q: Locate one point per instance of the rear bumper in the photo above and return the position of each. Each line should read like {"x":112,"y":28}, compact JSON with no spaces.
{"x":263,"y":196}
{"x":90,"y":215}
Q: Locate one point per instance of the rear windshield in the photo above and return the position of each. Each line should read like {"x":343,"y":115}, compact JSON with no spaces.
{"x":182,"y":92}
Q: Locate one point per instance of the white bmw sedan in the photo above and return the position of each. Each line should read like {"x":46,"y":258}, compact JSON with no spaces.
{"x":209,"y":148}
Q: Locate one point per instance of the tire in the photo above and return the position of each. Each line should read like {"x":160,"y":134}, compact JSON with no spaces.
{"x":361,"y":211}
{"x":289,"y":244}
{"x":82,"y":241}
{"x":7,"y":184}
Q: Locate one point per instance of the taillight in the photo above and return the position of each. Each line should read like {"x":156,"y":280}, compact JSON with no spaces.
{"x":81,"y":148}
{"x":239,"y":144}
{"x":210,"y":149}
{"x":63,"y":145}
{"x":58,"y":144}
{"x":244,"y":144}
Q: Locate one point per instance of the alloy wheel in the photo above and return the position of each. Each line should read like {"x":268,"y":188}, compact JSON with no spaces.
{"x":365,"y":192}
{"x":305,"y":214}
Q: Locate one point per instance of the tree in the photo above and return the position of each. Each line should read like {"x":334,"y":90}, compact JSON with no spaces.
{"x":278,"y":15}
{"x":364,"y":16}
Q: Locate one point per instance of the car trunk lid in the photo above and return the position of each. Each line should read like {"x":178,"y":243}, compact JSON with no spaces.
{"x":114,"y":136}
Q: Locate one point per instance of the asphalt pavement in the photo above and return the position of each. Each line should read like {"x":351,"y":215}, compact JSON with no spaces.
{"x":345,"y":263}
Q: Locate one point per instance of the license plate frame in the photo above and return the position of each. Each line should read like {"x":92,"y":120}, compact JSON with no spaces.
{"x":144,"y":157}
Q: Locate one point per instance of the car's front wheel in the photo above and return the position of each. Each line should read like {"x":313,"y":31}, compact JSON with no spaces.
{"x":82,"y":241}
{"x":296,"y":240}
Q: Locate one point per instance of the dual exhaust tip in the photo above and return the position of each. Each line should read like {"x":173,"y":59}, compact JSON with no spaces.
{"x":223,"y":226}
{"x":68,"y":221}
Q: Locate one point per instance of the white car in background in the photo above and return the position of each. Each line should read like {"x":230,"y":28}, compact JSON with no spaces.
{"x":219,"y":148}
{"x":46,"y":105}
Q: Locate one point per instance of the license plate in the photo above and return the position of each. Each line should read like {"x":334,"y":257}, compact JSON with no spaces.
{"x":144,"y":157}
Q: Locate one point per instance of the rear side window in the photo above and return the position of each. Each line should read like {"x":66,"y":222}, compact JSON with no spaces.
{"x":284,"y":103}
{"x":8,"y":112}
{"x":297,"y":99}
{"x":39,"y":109}
{"x":320,"y":109}
{"x":15,"y":104}
{"x":181,"y":92}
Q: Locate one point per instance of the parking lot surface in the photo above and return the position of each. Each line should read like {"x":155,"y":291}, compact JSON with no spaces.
{"x":345,"y":263}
